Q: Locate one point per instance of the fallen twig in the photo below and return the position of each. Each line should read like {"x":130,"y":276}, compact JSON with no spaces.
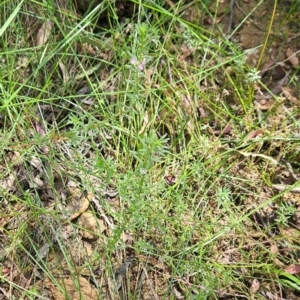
{"x":231,"y":9}
{"x":283,"y":187}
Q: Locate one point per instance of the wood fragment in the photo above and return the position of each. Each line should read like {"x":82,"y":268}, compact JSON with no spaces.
{"x":283,"y":187}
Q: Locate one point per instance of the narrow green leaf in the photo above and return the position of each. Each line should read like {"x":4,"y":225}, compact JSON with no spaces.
{"x":11,"y":18}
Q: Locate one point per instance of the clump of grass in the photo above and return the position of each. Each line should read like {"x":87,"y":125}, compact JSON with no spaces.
{"x":135,"y":115}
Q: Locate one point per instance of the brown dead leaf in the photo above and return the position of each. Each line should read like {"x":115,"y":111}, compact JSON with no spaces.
{"x":90,"y":225}
{"x":276,"y":89}
{"x":266,"y":66}
{"x":36,"y":163}
{"x":56,"y":294}
{"x":186,"y":52}
{"x":78,"y":201}
{"x":36,"y":183}
{"x":187,"y":220}
{"x":264,"y":104}
{"x":8,"y":182}
{"x":274,"y":249}
{"x":64,"y":72}
{"x":43,"y":33}
{"x":255,"y":133}
{"x":202,"y":113}
{"x":46,"y":150}
{"x":293,"y":59}
{"x":84,"y":291}
{"x":212,"y":21}
{"x":170,"y":179}
{"x":288,"y":94}
{"x":85,"y":288}
{"x":15,"y":158}
{"x":3,"y":221}
{"x":81,"y":206}
{"x":255,"y":285}
{"x":39,"y":130}
{"x":88,"y":48}
{"x":292,"y":269}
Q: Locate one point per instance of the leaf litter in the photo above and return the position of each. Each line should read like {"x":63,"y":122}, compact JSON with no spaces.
{"x":77,"y":217}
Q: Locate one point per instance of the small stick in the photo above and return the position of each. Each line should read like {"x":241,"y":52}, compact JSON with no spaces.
{"x":282,"y":187}
{"x":231,"y":8}
{"x":290,"y":169}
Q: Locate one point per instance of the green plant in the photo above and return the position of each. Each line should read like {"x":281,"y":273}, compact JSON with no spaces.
{"x":142,"y":122}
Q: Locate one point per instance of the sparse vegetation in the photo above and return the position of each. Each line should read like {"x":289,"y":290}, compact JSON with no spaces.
{"x":149,"y":150}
